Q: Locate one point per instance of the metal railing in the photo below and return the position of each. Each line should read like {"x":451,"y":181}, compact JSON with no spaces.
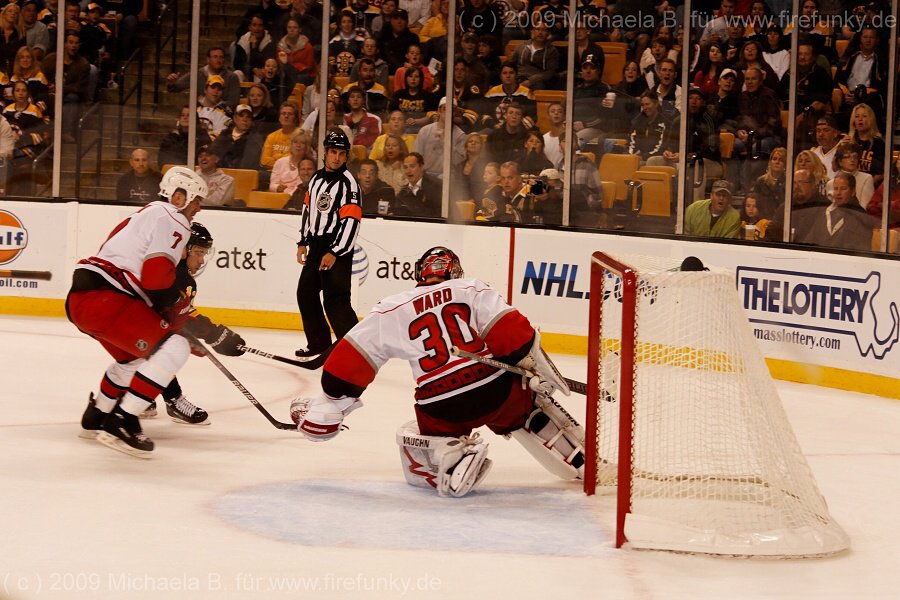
{"x":166,"y":9}
{"x":81,"y":150}
{"x":124,"y":96}
{"x":35,"y":164}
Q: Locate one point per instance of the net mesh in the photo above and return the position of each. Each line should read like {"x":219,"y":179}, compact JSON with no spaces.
{"x":715,"y":465}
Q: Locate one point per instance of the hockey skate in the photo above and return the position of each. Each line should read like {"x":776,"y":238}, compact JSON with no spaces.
{"x":308,"y":353}
{"x":182,"y":410}
{"x":122,"y":431}
{"x":91,"y":420}
{"x":149,"y":412}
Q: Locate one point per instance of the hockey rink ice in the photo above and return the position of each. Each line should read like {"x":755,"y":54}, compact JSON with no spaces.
{"x":242,"y":510}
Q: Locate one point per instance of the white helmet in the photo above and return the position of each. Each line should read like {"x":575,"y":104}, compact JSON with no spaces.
{"x":182,"y":178}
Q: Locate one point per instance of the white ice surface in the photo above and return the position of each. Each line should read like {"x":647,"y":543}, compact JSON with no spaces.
{"x":242,"y":510}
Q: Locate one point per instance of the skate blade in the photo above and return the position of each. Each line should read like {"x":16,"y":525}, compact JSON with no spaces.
{"x":148,"y":414}
{"x":88,"y":434}
{"x":208,"y":421}
{"x":108,"y":439}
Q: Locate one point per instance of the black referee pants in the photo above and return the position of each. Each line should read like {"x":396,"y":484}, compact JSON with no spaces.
{"x":334,"y":287}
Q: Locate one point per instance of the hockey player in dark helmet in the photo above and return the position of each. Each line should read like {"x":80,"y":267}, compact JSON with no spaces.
{"x":440,"y":262}
{"x":182,"y":316}
{"x":329,"y":225}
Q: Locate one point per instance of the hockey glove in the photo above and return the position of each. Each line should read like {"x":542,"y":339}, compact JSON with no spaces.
{"x":546,"y":379}
{"x":225,"y":341}
{"x":324,"y":416}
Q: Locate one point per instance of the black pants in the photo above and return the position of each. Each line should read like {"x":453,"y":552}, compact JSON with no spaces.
{"x":334,"y":286}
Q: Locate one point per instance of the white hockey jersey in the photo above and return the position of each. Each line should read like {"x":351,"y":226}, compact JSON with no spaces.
{"x":421,"y":326}
{"x":158,"y":229}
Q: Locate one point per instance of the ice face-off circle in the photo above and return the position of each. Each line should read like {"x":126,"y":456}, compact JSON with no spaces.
{"x":393,"y":515}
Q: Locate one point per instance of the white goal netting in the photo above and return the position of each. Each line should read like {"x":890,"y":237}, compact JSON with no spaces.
{"x":715,"y":465}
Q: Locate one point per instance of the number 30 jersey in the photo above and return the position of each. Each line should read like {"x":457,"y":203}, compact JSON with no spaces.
{"x":421,"y":326}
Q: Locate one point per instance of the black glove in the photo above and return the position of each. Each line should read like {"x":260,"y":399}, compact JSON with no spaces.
{"x":225,"y":341}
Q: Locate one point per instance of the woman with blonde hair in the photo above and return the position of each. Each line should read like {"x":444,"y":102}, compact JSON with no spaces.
{"x":770,"y":186}
{"x":470,"y":172}
{"x":26,"y":69}
{"x":810,"y":162}
{"x":264,"y":114}
{"x":390,"y":167}
{"x":12,"y":36}
{"x":286,"y":172}
{"x":864,"y":131}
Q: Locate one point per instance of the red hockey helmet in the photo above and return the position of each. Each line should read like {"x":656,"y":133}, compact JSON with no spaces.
{"x":439,"y":261}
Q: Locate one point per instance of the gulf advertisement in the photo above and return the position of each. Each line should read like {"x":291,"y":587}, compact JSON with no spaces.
{"x":34,"y":249}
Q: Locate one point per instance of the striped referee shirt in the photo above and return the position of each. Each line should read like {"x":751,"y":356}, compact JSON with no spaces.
{"x":332,"y":210}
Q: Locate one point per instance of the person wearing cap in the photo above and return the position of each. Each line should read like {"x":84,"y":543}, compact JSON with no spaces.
{"x":239,"y":146}
{"x":215,"y":65}
{"x":723,"y":105}
{"x":430,"y":143}
{"x":714,"y":217}
{"x":548,"y":203}
{"x":703,"y":140}
{"x":537,"y":59}
{"x":828,"y":136}
{"x":221,"y":186}
{"x":396,"y":40}
{"x":213,"y":114}
{"x":592,"y":107}
{"x":584,"y":46}
{"x":96,"y":38}
{"x":141,"y":182}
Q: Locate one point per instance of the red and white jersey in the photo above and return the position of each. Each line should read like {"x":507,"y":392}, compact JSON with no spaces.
{"x":157,"y":231}
{"x":421,"y":325}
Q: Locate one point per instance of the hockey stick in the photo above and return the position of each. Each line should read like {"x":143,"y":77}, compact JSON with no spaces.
{"x":576,"y":386}
{"x":44,"y":275}
{"x":234,"y":380}
{"x":312,"y":363}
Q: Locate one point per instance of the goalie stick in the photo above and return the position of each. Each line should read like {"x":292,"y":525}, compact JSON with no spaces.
{"x":312,"y":362}
{"x":576,"y":386}
{"x":240,"y":386}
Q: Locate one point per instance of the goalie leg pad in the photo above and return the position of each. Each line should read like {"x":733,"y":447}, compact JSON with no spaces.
{"x":451,"y":466}
{"x":554,"y":438}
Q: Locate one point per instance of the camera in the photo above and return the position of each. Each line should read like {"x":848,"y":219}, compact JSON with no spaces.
{"x":538,"y":187}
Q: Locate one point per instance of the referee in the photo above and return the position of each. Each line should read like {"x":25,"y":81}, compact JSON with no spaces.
{"x":328,"y":228}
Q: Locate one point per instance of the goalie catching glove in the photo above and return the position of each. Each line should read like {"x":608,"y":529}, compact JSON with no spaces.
{"x":324,"y":415}
{"x":546,"y":379}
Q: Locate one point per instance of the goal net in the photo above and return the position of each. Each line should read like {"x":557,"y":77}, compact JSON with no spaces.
{"x":684,"y":421}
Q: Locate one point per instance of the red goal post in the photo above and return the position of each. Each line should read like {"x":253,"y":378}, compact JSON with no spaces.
{"x":683,"y":419}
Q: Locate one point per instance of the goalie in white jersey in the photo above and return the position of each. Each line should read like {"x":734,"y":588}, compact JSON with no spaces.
{"x":117,"y":296}
{"x":454,"y":395}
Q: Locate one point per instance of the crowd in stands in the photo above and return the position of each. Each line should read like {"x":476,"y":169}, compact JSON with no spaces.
{"x":387,"y":89}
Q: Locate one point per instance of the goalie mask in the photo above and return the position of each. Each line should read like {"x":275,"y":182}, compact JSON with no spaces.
{"x":199,"y":248}
{"x":439,"y":261}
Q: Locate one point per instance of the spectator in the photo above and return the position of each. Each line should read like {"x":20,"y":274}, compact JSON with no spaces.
{"x":278,"y":143}
{"x":846,"y":160}
{"x":734,"y":40}
{"x":37,"y":36}
{"x":751,"y":55}
{"x":813,"y":97}
{"x":775,"y":50}
{"x":371,"y":51}
{"x":419,"y":11}
{"x":213,"y":113}
{"x":706,"y":76}
{"x":495,"y":100}
{"x":378,"y":196}
{"x":769,"y":188}
{"x":548,"y":197}
{"x":703,"y":142}
{"x":714,"y":217}
{"x":668,"y":91}
{"x":278,"y":79}
{"x":479,"y":76}
{"x":215,"y":65}
{"x":863,"y":77}
{"x":97,"y":43}
{"x":482,"y":18}
{"x":468,"y":183}
{"x":659,"y":50}
{"x":723,"y":105}
{"x":334,"y":119}
{"x":556,"y":117}
{"x":843,"y":223}
{"x":537,"y":60}
{"x":421,"y":196}
{"x":364,"y":125}
{"x":345,"y":46}
{"x":382,"y":22}
{"x":308,"y":13}
{"x":809,"y":161}
{"x":511,"y":195}
{"x":26,"y":136}
{"x":307,"y":169}
{"x":828,"y":135}
{"x":628,"y":91}
{"x":298,"y":52}
{"x":877,"y":202}
{"x":586,"y":198}
{"x":253,"y":49}
{"x":127,"y":15}
{"x":271,"y":11}
{"x":650,"y":134}
{"x":414,"y":102}
{"x":413,"y":61}
{"x":508,"y":140}
{"x":751,"y":215}
{"x":240,"y":145}
{"x":590,"y":113}
{"x":397,"y":39}
{"x":12,"y":35}
{"x":76,"y":76}
{"x":141,"y":183}
{"x":286,"y":172}
{"x":390,"y":166}
{"x":312,"y":97}
{"x":865,"y":133}
{"x":221,"y":186}
{"x":759,"y":111}
{"x":436,"y":25}
{"x":430,"y":143}
{"x":583,"y":47}
{"x":264,"y":114}
{"x":396,"y":125}
{"x":716,"y":29}
{"x":534,"y":161}
{"x":173,"y":150}
{"x":26,"y":69}
{"x":376,"y":100}
{"x":806,"y":200}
